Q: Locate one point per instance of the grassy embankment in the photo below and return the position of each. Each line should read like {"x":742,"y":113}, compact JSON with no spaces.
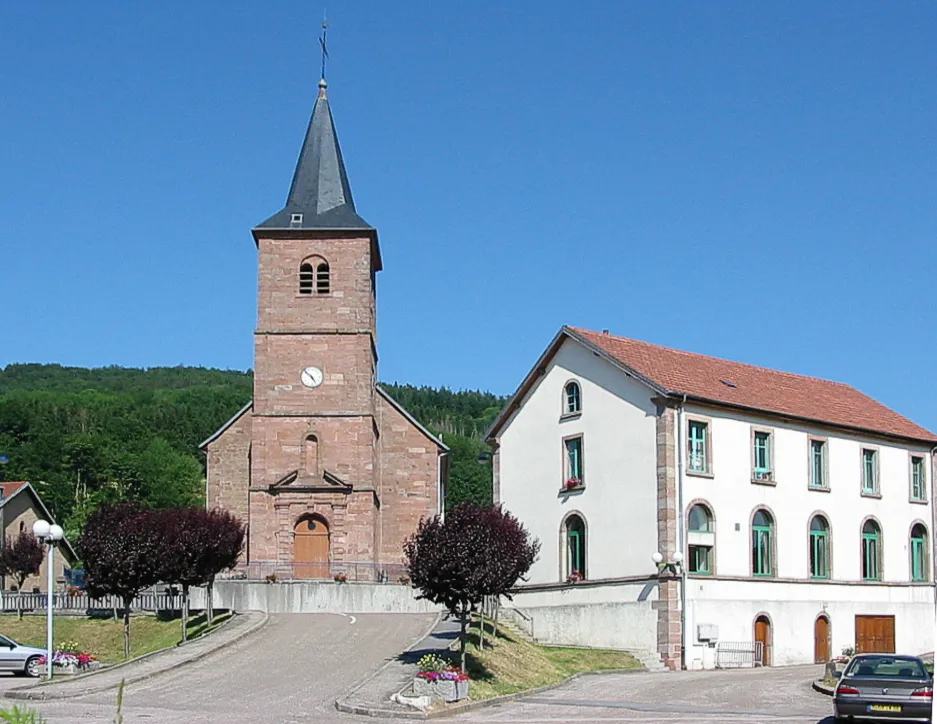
{"x":510,"y":664}
{"x":104,"y":637}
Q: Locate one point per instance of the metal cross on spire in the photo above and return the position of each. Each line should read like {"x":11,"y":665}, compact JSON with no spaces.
{"x":322,"y":42}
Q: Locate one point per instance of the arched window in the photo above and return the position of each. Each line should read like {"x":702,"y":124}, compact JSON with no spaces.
{"x":575,"y":538}
{"x":701,"y":540}
{"x":762,"y":544}
{"x":572,"y":398}
{"x":306,"y":277}
{"x":311,"y":455}
{"x":322,"y":278}
{"x":871,"y":551}
{"x":819,"y":547}
{"x":919,"y":557}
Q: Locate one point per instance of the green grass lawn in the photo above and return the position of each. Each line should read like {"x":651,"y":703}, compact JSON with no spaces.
{"x":510,"y":664}
{"x":104,"y":637}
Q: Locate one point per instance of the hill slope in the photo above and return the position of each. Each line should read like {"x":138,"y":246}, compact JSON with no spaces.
{"x":87,"y":436}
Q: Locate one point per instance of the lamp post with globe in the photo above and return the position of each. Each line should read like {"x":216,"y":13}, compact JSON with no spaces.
{"x":49,"y":534}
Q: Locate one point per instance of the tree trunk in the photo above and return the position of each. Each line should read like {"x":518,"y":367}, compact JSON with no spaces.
{"x":462,"y":633}
{"x":481,"y":626}
{"x":497,"y":611}
{"x":185,"y":612}
{"x":210,"y":590}
{"x":127,"y":602}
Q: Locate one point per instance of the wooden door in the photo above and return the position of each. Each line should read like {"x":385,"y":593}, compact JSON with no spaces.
{"x":821,"y":640}
{"x":875,"y":634}
{"x":311,"y":549}
{"x":763,"y":634}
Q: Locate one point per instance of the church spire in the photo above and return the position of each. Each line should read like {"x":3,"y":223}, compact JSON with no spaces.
{"x":320,"y":195}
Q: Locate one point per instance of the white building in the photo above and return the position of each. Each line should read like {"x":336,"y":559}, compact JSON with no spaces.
{"x":801,"y":507}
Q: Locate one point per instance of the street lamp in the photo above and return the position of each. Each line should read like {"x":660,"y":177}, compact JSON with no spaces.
{"x":673,"y":566}
{"x":50,"y":534}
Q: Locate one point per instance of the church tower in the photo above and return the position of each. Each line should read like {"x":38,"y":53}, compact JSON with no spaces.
{"x":314,"y":440}
{"x":330,"y":473}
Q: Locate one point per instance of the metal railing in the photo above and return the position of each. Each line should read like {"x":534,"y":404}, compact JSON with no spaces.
{"x":353,"y":571}
{"x":11,"y":601}
{"x":739,"y":654}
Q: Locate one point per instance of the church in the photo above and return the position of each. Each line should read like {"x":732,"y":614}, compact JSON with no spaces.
{"x":329,"y":472}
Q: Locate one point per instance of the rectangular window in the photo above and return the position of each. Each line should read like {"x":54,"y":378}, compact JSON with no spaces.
{"x":918,"y":488}
{"x":698,"y":461}
{"x":918,"y":572}
{"x":869,"y":472}
{"x":818,"y":464}
{"x":573,"y":461}
{"x":701,"y":559}
{"x":761,"y":551}
{"x":870,"y":557}
{"x":576,"y":560}
{"x":819,"y":555}
{"x":762,"y":456}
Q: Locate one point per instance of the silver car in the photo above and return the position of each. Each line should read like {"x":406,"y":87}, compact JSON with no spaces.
{"x":21,"y":660}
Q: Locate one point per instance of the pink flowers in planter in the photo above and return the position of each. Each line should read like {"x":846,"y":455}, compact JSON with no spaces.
{"x":64,"y":658}
{"x":573,"y":483}
{"x":574,"y":576}
{"x":452,"y":674}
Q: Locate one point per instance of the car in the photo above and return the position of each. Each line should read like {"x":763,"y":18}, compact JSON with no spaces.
{"x":884,"y":687}
{"x":21,"y":660}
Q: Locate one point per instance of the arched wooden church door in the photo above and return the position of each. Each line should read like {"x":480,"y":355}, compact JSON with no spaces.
{"x":311,"y":548}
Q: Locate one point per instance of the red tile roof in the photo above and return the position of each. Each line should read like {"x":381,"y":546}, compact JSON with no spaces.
{"x":759,"y":388}
{"x":7,"y":489}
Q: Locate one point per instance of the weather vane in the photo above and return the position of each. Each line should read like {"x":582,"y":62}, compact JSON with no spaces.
{"x":322,"y":42}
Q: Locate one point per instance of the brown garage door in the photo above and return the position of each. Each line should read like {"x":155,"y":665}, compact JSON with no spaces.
{"x":875,"y":634}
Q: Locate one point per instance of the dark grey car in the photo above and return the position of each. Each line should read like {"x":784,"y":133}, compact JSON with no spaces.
{"x":884,"y":687}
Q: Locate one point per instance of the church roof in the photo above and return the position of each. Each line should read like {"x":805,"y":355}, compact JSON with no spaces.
{"x":710,"y":380}
{"x":320,"y":195}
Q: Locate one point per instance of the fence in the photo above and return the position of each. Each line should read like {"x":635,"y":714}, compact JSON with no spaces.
{"x":81,"y":602}
{"x":326,"y":570}
{"x":739,"y":654}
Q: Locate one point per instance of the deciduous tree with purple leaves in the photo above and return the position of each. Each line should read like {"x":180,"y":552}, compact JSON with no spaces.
{"x":20,"y":558}
{"x":121,"y":548}
{"x":474,"y":552}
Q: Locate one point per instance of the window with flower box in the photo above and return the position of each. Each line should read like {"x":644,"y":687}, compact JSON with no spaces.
{"x":573,"y":468}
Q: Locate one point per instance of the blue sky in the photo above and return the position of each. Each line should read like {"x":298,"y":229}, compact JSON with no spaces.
{"x":749,"y":180}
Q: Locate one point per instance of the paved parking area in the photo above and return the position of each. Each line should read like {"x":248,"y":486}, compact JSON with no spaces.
{"x":756,"y":695}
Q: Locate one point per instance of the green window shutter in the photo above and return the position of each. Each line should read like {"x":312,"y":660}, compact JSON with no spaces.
{"x":870,"y":571}
{"x":762,"y":452}
{"x":819,"y":555}
{"x":917,"y":479}
{"x":698,"y":462}
{"x":817,"y":468}
{"x":761,"y":551}
{"x":918,"y":557}
{"x":869,"y":483}
{"x":574,"y":543}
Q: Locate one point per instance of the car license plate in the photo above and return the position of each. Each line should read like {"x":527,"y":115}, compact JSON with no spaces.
{"x":884,"y":707}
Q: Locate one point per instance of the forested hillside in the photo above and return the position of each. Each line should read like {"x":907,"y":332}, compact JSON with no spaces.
{"x":86,"y":436}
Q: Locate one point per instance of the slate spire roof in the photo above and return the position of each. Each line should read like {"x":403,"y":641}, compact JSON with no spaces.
{"x":320,"y":195}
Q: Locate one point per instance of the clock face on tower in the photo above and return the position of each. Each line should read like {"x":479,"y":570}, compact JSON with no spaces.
{"x":311,"y":377}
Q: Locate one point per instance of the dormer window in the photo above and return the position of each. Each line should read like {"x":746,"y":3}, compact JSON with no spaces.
{"x":572,"y":399}
{"x":296,"y":219}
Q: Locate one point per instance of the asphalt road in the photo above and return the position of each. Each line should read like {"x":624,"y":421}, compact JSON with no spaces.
{"x":290,"y":671}
{"x":294,"y":669}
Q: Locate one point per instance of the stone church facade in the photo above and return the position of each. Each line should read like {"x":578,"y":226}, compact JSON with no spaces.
{"x":328,"y":471}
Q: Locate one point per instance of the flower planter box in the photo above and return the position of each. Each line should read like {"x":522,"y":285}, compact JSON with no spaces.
{"x":441,"y":689}
{"x":70,"y":669}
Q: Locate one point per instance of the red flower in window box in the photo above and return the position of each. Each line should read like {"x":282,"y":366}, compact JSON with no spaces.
{"x":573,"y":483}
{"x":574,"y":576}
